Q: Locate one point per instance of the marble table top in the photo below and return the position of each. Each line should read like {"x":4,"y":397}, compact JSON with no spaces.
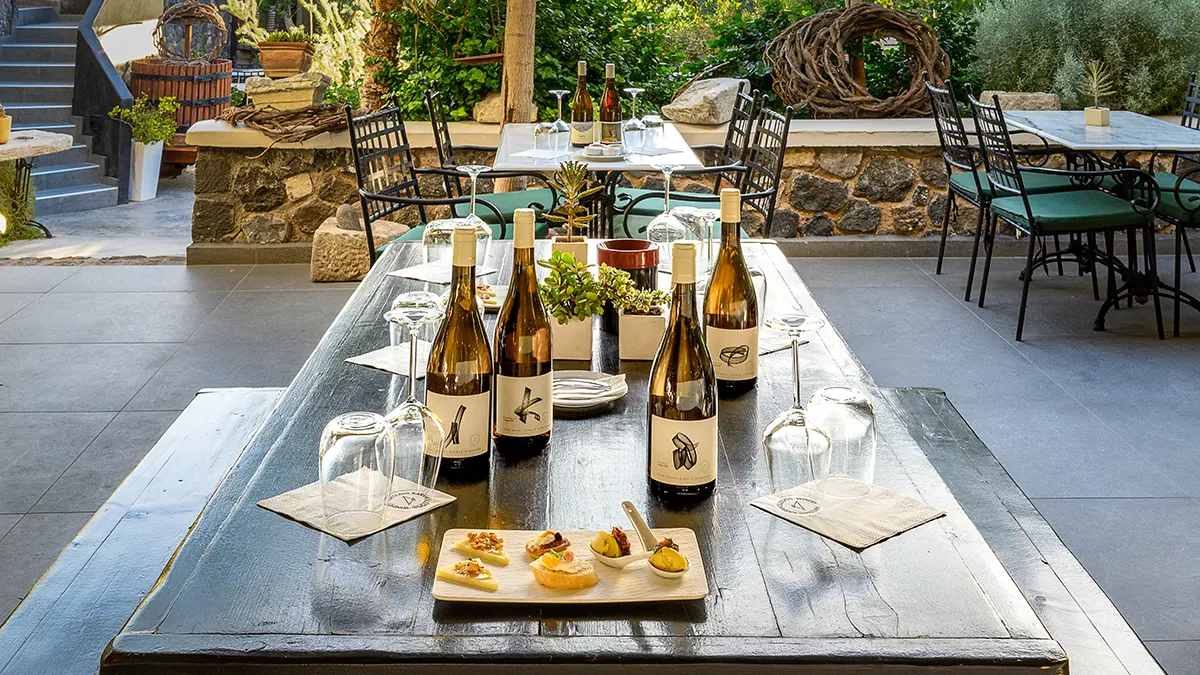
{"x":517,"y":141}
{"x":26,"y":143}
{"x":1127,"y":132}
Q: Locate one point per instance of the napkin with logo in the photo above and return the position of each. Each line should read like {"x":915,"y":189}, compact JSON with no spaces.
{"x":305,"y":504}
{"x":858,"y":523}
{"x":436,"y":272}
{"x":394,"y":359}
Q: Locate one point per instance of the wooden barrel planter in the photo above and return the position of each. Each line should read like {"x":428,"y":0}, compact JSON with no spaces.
{"x":202,"y":88}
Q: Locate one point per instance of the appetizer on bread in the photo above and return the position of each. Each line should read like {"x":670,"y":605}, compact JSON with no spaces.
{"x":470,"y":572}
{"x":563,"y":570}
{"x":546,"y":542}
{"x":486,"y":545}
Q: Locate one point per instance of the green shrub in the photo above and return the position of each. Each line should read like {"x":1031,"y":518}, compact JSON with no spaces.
{"x":344,"y":91}
{"x":17,"y":214}
{"x":150,"y":124}
{"x":1149,"y":46}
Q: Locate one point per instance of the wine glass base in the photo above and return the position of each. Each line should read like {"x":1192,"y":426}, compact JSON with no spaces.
{"x":841,"y":486}
{"x":354,"y":523}
{"x":561,"y":127}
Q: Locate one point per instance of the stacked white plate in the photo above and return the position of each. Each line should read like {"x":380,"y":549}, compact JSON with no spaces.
{"x":581,"y":389}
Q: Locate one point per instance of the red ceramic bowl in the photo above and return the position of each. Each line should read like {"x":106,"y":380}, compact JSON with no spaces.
{"x":627,"y":254}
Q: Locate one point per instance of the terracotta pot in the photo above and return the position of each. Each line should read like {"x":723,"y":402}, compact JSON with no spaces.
{"x":638,"y":257}
{"x":5,"y":128}
{"x":284,"y":59}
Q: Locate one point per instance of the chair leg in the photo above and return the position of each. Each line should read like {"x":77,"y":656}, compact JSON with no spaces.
{"x":989,"y":243}
{"x":945,"y":231}
{"x":1179,"y":239}
{"x":1057,"y":248}
{"x":1112,"y":273}
{"x":1132,"y":236}
{"x":1152,"y":272}
{"x":974,"y":248}
{"x":1091,"y":238}
{"x":1188,"y":247}
{"x":1025,"y":287}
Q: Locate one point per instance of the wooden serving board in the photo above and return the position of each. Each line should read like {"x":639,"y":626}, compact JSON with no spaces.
{"x":635,"y":583}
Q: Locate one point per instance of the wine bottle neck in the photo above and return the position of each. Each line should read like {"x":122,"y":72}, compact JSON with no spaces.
{"x":683,"y":303}
{"x":524,"y":273}
{"x":731,"y":234}
{"x":462,"y":288}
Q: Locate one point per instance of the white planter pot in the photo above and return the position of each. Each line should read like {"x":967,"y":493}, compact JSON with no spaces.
{"x":579,"y":249}
{"x":572,"y":341}
{"x":640,"y":336}
{"x":1095,"y":117}
{"x":147,"y":159}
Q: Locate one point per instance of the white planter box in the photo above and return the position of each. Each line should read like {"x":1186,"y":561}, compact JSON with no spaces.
{"x":572,"y":341}
{"x":579,"y":249}
{"x":147,"y":159}
{"x":640,"y":336}
{"x":1095,"y":117}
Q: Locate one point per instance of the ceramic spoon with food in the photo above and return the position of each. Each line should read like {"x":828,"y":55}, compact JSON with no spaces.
{"x":649,"y":541}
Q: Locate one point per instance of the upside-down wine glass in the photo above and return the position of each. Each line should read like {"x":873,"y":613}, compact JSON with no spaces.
{"x":634,"y":124}
{"x":559,"y":125}
{"x":419,"y":435}
{"x":790,"y":458}
{"x":483,"y":231}
{"x":841,"y":421}
{"x":356,"y":455}
{"x":666,"y":228}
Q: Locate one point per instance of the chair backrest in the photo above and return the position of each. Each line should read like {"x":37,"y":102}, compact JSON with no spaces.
{"x":441,"y":139}
{"x":1191,"y":119}
{"x":383,"y":164}
{"x":737,"y":137}
{"x":957,"y":150}
{"x":764,"y":161}
{"x":999,"y":157}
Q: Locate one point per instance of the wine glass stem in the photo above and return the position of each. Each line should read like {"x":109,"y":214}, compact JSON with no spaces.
{"x":560,"y":107}
{"x":666,"y":191}
{"x":633,"y":106}
{"x":412,"y":364}
{"x":474,"y":180}
{"x":796,"y":370}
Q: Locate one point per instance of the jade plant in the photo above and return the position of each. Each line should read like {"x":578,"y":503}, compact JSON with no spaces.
{"x":574,"y":185}
{"x":617,"y":287}
{"x":149,"y":123}
{"x":569,"y":290}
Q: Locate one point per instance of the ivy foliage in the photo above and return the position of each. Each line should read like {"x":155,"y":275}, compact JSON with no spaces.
{"x":150,"y":123}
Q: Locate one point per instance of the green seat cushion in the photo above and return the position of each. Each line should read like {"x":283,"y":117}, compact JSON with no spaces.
{"x":654,"y":205}
{"x":1169,"y":205}
{"x":541,"y":229}
{"x":636,"y":223}
{"x":1166,"y":183}
{"x":1073,"y":211}
{"x":508,"y":203}
{"x":1035,"y":183}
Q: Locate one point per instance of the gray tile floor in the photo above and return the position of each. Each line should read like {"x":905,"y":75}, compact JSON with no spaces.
{"x":95,"y":364}
{"x":1097,"y":428}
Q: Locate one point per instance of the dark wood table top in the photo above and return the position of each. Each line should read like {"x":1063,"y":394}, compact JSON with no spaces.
{"x":252,"y":590}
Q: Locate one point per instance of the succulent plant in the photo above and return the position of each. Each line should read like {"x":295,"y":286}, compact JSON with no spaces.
{"x":617,"y":287}
{"x":569,"y":291}
{"x":573,"y":183}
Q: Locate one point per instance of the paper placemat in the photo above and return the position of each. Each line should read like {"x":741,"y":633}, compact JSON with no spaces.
{"x":304,"y":504}
{"x":654,"y":152}
{"x":435,"y":272}
{"x":540,"y":153}
{"x":858,"y":523}
{"x":771,"y":341}
{"x":394,"y":358}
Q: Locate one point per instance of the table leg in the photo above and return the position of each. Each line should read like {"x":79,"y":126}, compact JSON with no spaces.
{"x":23,"y":186}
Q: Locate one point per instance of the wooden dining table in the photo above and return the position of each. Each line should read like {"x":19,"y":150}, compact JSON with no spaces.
{"x":251,"y":591}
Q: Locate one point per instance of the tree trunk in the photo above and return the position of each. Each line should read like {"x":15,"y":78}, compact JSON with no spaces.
{"x":516,"y":88}
{"x":381,"y":42}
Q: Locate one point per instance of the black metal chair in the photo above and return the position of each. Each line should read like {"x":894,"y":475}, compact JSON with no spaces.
{"x":757,"y":176}
{"x":966,"y":181}
{"x":539,"y":199}
{"x":1084,"y":211}
{"x":388,"y":178}
{"x":730,"y":158}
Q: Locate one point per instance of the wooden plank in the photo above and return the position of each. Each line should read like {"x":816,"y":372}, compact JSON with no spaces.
{"x":247,"y":572}
{"x":88,"y":593}
{"x":1073,"y":608}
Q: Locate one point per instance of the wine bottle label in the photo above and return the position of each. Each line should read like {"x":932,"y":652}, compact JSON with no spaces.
{"x":466,"y":421}
{"x":734,"y":352}
{"x":610,"y":132}
{"x":523,"y":405}
{"x":582,"y":132}
{"x":683,"y":452}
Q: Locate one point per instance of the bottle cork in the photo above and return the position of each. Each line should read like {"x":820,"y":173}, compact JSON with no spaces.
{"x":582,"y":68}
{"x":731,"y":205}
{"x":523,"y":228}
{"x":683,"y":262}
{"x":463,"y":240}
{"x":610,"y":71}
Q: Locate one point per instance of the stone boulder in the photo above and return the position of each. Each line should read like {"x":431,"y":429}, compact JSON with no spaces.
{"x":289,"y":93}
{"x":341,"y":255}
{"x":1024,"y":100}
{"x":705,"y":102}
{"x":491,"y":110}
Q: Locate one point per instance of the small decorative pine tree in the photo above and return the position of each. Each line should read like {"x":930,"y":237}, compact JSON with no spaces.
{"x":574,"y":186}
{"x":1097,"y":82}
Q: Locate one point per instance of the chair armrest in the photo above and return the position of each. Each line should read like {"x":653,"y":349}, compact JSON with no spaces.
{"x":433,"y":201}
{"x":484,"y":148}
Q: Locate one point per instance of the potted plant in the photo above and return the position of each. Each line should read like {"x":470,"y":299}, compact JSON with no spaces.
{"x":1097,"y":83}
{"x":572,"y":181}
{"x":572,"y":296}
{"x":5,"y":125}
{"x":642,"y":320}
{"x":152,"y":126}
{"x":284,"y":53}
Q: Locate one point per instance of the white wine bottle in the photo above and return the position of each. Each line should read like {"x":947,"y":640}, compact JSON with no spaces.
{"x":458,"y":380}
{"x":682,"y":403}
{"x":582,"y":114}
{"x":731,"y":308}
{"x":524,"y":413}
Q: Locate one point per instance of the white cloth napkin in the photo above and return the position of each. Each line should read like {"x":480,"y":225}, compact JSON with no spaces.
{"x":394,"y":358}
{"x":654,"y":152}
{"x":771,"y":341}
{"x":858,"y":523}
{"x":540,"y":153}
{"x":437,"y":272}
{"x":305,"y":504}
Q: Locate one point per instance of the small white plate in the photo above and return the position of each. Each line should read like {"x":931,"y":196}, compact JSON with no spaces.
{"x":582,"y":156}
